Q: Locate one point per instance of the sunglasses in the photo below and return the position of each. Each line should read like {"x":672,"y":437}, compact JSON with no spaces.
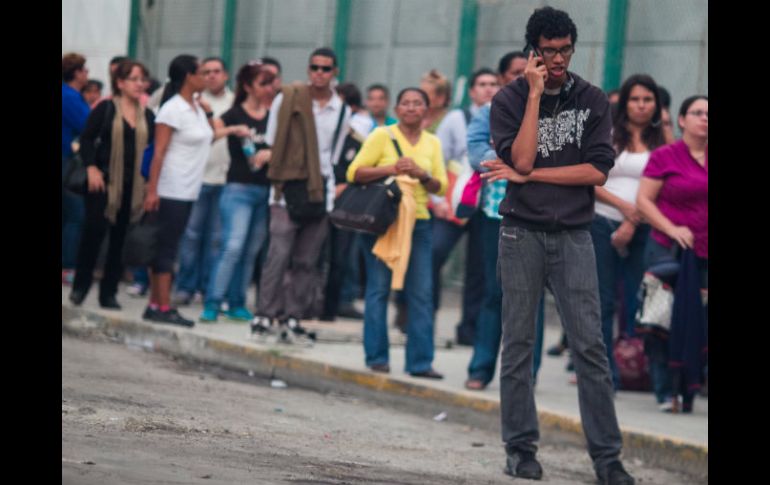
{"x":316,"y":67}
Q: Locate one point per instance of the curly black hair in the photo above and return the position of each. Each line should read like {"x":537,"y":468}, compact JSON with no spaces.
{"x":551,"y":24}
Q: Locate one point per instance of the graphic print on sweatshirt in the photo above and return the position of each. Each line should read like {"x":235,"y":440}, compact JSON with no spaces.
{"x":566,"y":128}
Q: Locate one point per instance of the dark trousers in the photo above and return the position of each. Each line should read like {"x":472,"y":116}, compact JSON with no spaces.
{"x":564,"y":262}
{"x":445,"y":237}
{"x":343,"y":257}
{"x":298,"y":245}
{"x":95,"y":227}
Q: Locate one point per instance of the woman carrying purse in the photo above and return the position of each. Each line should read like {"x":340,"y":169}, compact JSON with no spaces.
{"x":112,"y":145}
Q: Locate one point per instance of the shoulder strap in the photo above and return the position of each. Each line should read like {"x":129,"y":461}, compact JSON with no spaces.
{"x":109,"y":113}
{"x":339,"y":125}
{"x":467,"y":113}
{"x":395,"y":142}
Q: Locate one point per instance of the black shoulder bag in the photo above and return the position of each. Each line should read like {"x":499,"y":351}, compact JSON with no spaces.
{"x":295,"y":191}
{"x":369,"y":208}
{"x":76,"y":177}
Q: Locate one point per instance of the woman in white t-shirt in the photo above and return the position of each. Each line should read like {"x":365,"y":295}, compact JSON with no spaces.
{"x":619,"y":234}
{"x":183,"y":136}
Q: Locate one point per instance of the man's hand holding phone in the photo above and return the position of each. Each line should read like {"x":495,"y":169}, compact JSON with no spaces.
{"x":536,"y":74}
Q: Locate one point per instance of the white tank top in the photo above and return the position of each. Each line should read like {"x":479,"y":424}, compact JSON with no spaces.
{"x":623,"y":181}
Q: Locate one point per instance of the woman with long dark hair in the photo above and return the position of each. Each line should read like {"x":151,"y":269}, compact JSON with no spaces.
{"x":243,"y":205}
{"x":183,"y":135}
{"x":115,"y":185}
{"x":618,"y":232}
{"x":423,"y":165}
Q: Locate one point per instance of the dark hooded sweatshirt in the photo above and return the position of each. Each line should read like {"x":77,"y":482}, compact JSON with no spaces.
{"x":574,"y":128}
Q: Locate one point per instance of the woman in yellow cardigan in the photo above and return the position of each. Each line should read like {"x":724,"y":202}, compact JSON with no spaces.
{"x":423,"y":162}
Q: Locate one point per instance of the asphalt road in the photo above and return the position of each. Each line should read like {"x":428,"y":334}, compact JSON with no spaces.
{"x":130,"y":417}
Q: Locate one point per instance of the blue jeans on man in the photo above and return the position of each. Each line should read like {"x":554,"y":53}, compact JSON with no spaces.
{"x":486,"y":345}
{"x":243,"y":209}
{"x":565,"y":262}
{"x":610,"y":267}
{"x":200,"y":242}
{"x":418,"y":291}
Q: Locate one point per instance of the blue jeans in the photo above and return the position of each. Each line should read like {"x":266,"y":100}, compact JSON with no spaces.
{"x":200,"y":242}
{"x":445,"y":237}
{"x":486,"y":345}
{"x":73,"y":213}
{"x":243,"y":209}
{"x":418,"y":291}
{"x":610,"y":267}
{"x":141,"y":277}
{"x":565,"y":262}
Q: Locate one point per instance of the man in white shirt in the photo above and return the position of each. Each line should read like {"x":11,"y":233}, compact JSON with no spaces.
{"x":295,"y":246}
{"x":198,"y":247}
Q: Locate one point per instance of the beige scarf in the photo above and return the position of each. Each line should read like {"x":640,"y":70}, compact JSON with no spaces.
{"x":115,"y":185}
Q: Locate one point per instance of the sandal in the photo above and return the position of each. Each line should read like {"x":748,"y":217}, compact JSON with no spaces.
{"x":475,"y":385}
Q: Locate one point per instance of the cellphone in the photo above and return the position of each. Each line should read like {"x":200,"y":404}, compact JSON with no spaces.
{"x":530,"y":48}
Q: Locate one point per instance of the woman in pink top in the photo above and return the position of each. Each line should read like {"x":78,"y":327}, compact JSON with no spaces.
{"x":673,"y":198}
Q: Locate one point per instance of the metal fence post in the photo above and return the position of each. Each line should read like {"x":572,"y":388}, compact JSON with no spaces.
{"x":616,"y":41}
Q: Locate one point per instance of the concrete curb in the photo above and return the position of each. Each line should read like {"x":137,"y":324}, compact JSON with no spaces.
{"x":663,"y":451}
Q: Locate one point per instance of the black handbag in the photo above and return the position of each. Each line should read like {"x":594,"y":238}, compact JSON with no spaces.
{"x":295,"y":194}
{"x":141,"y":246}
{"x":298,"y":204}
{"x":76,"y":176}
{"x":370,"y":208}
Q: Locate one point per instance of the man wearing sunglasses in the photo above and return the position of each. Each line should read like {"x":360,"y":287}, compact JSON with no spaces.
{"x":305,"y":131}
{"x":551,"y":132}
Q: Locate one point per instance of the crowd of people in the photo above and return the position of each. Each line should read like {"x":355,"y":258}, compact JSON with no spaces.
{"x":582,"y":195}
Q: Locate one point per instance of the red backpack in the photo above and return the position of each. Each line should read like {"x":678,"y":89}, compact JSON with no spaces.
{"x":632,"y":364}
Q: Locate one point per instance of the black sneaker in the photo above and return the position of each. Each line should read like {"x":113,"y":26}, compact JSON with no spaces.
{"x":522,"y":464}
{"x":261,"y":325}
{"x":615,"y":474}
{"x":77,"y":297}
{"x":173,"y":317}
{"x":292,"y":331}
{"x":149,"y":313}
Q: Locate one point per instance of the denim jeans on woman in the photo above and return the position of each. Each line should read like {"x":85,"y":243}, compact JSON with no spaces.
{"x":243,"y":210}
{"x":563,"y":261}
{"x":418,"y":291}
{"x":610,"y":266}
{"x":200,"y":243}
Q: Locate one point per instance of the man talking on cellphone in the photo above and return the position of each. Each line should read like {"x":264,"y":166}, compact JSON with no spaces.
{"x":551,"y":131}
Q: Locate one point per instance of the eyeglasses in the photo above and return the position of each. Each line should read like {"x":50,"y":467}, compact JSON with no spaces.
{"x":698,"y":113}
{"x":550,"y":52}
{"x":316,"y":67}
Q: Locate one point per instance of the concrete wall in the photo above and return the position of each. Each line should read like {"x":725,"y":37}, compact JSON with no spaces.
{"x":97,"y":29}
